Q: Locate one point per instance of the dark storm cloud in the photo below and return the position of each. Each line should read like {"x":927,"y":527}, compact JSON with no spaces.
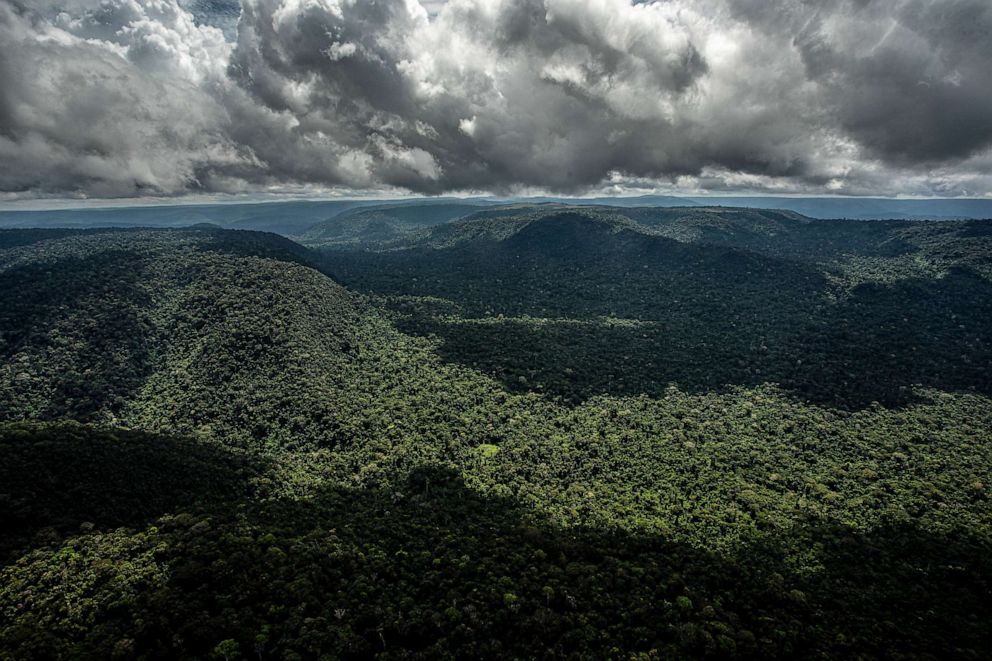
{"x":911,"y":81}
{"x":489,"y":95}
{"x":845,"y":96}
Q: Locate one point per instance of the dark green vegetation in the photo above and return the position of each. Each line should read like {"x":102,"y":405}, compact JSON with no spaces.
{"x":535,"y":433}
{"x":382,"y":226}
{"x":579,"y":302}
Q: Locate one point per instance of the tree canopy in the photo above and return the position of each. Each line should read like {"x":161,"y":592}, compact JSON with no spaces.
{"x":528,"y":434}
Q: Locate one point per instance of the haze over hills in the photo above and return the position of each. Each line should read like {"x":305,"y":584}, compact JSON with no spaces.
{"x":667,"y":431}
{"x":286,"y":218}
{"x":384,"y":224}
{"x":864,"y":207}
{"x":295,"y":218}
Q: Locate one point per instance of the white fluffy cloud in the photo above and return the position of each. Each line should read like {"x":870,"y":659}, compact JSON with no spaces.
{"x":111,"y":101}
{"x":843,"y":96}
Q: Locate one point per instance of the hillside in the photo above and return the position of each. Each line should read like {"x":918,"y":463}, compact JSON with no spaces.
{"x":578,"y":302}
{"x":382,"y":226}
{"x":155,"y":326}
{"x":215,"y":449}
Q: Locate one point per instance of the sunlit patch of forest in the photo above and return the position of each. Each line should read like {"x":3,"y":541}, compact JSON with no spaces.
{"x":530,"y":432}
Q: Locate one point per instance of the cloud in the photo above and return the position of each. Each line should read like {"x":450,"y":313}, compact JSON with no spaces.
{"x":910,"y":81}
{"x":110,"y":102}
{"x":839,"y":96}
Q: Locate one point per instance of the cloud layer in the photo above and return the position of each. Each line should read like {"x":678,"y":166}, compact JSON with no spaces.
{"x":139,"y":97}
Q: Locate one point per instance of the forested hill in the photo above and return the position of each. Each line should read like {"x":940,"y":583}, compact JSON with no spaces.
{"x":383,"y":225}
{"x":170,"y":329}
{"x":776,"y":233}
{"x":543,"y":434}
{"x":574,"y":302}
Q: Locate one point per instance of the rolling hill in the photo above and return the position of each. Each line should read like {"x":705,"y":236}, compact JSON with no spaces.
{"x":382,"y":226}
{"x":698,"y":298}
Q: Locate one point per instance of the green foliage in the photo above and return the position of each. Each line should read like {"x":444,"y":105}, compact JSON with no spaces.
{"x":382,"y":226}
{"x":630,"y":463}
{"x":227,"y":649}
{"x":576,"y":303}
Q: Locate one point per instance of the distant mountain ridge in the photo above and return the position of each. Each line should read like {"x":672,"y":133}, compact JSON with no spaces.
{"x":383,"y":225}
{"x":864,"y":208}
{"x":311,"y":218}
{"x":448,"y":225}
{"x":287,"y":218}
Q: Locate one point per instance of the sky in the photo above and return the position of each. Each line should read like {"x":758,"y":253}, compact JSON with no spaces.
{"x":184,"y":98}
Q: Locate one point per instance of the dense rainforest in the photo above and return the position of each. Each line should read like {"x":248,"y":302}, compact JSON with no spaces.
{"x":528,"y":431}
